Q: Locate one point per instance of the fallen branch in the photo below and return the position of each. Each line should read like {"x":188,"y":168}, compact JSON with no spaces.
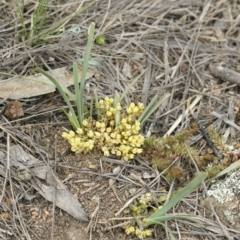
{"x":225,"y":74}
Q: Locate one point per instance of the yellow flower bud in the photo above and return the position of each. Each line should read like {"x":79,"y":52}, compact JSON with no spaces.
{"x":140,"y":106}
{"x":131,"y":156}
{"x":118,"y":107}
{"x":106,"y":99}
{"x":137,"y":124}
{"x":135,"y":150}
{"x":130,"y":119}
{"x":77,"y":141}
{"x":135,"y":110}
{"x":128,"y":126}
{"x":65,"y":135}
{"x":132,"y":105}
{"x":109,"y":113}
{"x":120,"y":128}
{"x":124,"y":121}
{"x":118,"y":137}
{"x":90,"y":133}
{"x":127,"y":133}
{"x":98,"y":124}
{"x":80,"y":131}
{"x":136,"y":129}
{"x":106,"y":153}
{"x":104,"y":149}
{"x":71,"y":134}
{"x":140,"y":140}
{"x":113,"y":135}
{"x":139,"y":150}
{"x":107,"y":137}
{"x":130,"y":230}
{"x":97,"y":134}
{"x":74,"y":149}
{"x":90,"y":144}
{"x":147,"y":233}
{"x":85,"y":123}
{"x":113,"y":151}
{"x":131,"y":138}
{"x":108,"y":130}
{"x":129,"y":111}
{"x":118,"y":153}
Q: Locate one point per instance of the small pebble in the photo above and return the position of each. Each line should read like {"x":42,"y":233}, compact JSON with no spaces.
{"x":116,"y":170}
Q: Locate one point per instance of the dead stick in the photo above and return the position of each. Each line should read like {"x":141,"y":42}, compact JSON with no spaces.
{"x":225,"y":74}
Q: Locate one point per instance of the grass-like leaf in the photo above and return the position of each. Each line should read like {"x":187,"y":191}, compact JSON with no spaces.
{"x":37,"y":32}
{"x":51,"y":30}
{"x":77,"y":93}
{"x":171,"y":236}
{"x":158,"y":216}
{"x":20,"y":9}
{"x":130,"y":86}
{"x":72,"y":116}
{"x":38,"y":17}
{"x":170,"y":217}
{"x":76,"y":121}
{"x":116,"y":100}
{"x":84,"y":71}
{"x":97,"y":105}
{"x":155,"y":103}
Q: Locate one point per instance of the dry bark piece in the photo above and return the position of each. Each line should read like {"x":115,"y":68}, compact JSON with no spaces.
{"x":38,"y":84}
{"x":225,"y":74}
{"x":54,"y":190}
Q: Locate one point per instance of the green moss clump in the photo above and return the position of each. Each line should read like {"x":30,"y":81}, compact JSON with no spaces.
{"x":215,"y":137}
{"x":214,"y":170}
{"x":163,"y":151}
{"x":175,"y":172}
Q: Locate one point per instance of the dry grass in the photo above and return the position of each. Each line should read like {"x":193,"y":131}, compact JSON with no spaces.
{"x":176,"y":41}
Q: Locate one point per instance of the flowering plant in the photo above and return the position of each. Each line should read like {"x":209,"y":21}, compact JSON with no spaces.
{"x":106,"y":125}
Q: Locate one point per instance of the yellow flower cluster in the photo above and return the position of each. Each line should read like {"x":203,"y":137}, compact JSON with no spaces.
{"x":118,"y":137}
{"x":107,"y":108}
{"x":140,"y":234}
{"x":139,"y":209}
{"x":145,"y":199}
{"x":77,"y":143}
